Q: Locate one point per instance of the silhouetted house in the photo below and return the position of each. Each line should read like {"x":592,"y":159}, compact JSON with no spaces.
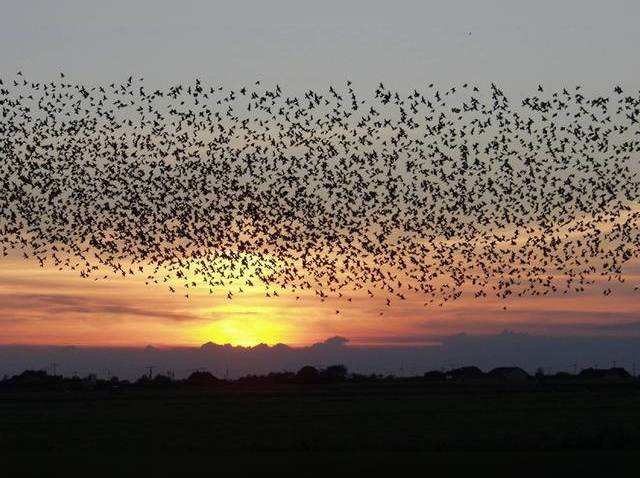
{"x":33,"y":378}
{"x":509,"y":374}
{"x":202,"y":379}
{"x":434,"y":376}
{"x":615,"y":374}
{"x":359,"y":377}
{"x":465,"y":373}
{"x":563,"y":376}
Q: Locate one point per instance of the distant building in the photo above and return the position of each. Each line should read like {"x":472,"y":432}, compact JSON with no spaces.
{"x":510,"y":374}
{"x":615,"y":374}
{"x":434,"y":376}
{"x":465,"y":373}
{"x":202,"y":378}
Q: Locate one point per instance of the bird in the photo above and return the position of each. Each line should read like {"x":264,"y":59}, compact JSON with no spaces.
{"x":439,"y":194}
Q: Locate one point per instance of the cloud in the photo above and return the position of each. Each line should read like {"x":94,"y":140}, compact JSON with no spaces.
{"x":57,"y":306}
{"x":486,"y":351}
{"x":552,"y":321}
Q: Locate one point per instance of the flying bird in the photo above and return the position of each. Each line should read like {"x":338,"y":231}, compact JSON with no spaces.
{"x":438,"y":194}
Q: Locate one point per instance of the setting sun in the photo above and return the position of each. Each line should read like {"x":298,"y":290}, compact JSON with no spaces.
{"x":243,"y":322}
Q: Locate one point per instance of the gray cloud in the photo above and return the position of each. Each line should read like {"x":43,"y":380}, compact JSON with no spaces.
{"x":486,"y":351}
{"x":56,"y":306}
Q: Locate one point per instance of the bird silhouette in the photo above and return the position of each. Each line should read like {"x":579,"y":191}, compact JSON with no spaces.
{"x":439,"y":193}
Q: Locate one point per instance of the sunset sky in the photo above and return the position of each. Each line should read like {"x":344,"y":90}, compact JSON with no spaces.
{"x":48,"y":306}
{"x":307,"y":45}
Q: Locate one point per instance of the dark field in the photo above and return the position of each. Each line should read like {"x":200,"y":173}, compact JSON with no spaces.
{"x":352,"y":426}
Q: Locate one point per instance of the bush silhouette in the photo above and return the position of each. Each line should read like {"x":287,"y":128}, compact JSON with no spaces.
{"x":308,"y":374}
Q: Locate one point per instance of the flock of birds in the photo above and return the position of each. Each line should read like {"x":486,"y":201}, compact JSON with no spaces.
{"x":436,"y":192}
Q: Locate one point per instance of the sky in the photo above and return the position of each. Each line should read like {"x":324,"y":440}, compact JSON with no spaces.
{"x":517,"y":44}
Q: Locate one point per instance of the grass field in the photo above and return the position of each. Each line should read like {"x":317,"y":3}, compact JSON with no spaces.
{"x":375,"y":425}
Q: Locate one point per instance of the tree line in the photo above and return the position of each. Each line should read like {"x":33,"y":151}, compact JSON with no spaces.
{"x":309,"y":375}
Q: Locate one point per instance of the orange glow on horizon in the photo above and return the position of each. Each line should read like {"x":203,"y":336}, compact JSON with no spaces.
{"x":49,"y":306}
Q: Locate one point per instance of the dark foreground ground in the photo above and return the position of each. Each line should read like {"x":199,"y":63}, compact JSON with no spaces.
{"x":347,"y":427}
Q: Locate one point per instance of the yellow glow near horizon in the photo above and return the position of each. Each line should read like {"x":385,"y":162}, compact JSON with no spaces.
{"x":242,"y":331}
{"x":51,"y":306}
{"x":245,"y":323}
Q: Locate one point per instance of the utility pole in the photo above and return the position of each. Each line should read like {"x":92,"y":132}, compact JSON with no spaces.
{"x":54,"y":368}
{"x":150,"y":369}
